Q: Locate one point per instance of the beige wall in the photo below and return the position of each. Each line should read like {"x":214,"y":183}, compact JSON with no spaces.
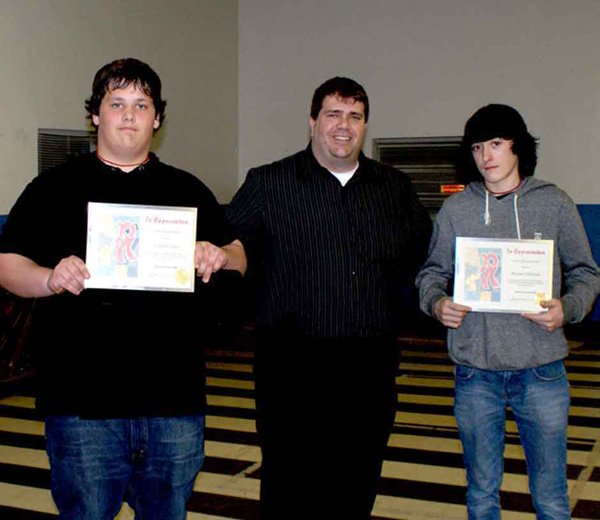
{"x":427,"y":65}
{"x":50,"y":50}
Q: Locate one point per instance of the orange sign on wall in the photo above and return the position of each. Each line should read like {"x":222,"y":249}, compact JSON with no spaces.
{"x":448,"y":189}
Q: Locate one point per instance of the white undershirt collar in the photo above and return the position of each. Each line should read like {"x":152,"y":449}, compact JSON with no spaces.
{"x":344,"y":177}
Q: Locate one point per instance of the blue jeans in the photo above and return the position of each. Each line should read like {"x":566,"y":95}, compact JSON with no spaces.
{"x":539,"y":399}
{"x":151,"y":463}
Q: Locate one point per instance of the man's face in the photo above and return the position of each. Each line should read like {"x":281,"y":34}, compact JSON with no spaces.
{"x":126,"y":120}
{"x":338,"y":133}
{"x":497,"y":163}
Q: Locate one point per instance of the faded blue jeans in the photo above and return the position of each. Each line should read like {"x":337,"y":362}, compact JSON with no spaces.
{"x":539,"y":399}
{"x":150,"y":463}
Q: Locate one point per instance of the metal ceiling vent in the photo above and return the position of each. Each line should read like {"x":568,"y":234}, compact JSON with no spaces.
{"x":55,"y":146}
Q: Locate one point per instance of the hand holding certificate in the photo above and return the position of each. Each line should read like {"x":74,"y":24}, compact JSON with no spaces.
{"x":496,"y":275}
{"x":141,"y":247}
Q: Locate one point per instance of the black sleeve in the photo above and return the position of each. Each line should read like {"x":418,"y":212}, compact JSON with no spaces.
{"x":28,"y":228}
{"x":421,"y":227}
{"x":246,"y":214}
{"x":212,"y":225}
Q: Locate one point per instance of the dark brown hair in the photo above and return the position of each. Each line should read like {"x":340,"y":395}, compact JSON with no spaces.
{"x":121,"y":74}
{"x":345,"y":88}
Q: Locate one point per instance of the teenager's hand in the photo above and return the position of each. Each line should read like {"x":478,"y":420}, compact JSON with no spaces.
{"x":449,"y":313}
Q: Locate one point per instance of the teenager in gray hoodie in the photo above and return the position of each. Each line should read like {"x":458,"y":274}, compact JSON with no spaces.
{"x":510,"y":359}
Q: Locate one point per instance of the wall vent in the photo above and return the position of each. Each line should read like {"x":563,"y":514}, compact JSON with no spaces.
{"x":430,"y":162}
{"x":55,"y":146}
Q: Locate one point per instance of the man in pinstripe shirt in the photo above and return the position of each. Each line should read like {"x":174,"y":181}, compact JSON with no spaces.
{"x":332,"y":237}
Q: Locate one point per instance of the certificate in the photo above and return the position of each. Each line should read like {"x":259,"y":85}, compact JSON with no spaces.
{"x":496,"y":275}
{"x":148,"y":248}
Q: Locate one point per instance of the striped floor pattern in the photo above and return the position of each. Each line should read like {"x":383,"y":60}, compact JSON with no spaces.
{"x":422,"y":476}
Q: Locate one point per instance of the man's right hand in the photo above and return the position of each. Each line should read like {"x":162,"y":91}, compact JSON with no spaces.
{"x":68,"y":275}
{"x":449,"y":313}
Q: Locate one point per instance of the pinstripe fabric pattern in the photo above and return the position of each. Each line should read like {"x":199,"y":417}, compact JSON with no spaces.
{"x":333,"y":258}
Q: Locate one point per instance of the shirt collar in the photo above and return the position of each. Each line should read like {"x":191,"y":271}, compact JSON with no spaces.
{"x":147,"y":166}
{"x":314,"y":168}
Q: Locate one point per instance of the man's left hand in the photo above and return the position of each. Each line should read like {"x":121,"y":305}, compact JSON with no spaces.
{"x":208,"y":259}
{"x":550,"y":320}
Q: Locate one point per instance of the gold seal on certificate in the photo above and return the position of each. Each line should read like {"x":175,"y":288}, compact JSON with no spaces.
{"x":497,"y":275}
{"x":137,"y":247}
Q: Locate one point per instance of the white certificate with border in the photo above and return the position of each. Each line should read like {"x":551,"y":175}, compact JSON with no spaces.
{"x":147,"y":248}
{"x":497,"y":275}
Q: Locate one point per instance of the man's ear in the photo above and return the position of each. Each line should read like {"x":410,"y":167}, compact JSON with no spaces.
{"x":311,"y":124}
{"x":96,"y":120}
{"x":156,"y":123}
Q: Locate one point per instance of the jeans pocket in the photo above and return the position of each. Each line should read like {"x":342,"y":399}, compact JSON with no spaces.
{"x":550,"y":372}
{"x":463,"y":372}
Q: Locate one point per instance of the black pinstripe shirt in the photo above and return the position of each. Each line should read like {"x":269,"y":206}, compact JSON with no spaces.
{"x":332,"y":259}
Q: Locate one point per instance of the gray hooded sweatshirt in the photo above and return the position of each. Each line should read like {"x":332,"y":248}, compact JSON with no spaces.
{"x":538,"y":209}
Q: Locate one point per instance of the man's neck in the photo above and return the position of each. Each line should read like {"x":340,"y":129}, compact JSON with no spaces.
{"x":335,"y":165}
{"x":125,"y":162}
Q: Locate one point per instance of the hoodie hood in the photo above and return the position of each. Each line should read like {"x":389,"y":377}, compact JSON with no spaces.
{"x":490,"y":205}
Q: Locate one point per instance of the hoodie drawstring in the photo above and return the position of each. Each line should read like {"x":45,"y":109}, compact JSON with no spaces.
{"x":518,"y":223}
{"x":487,"y":219}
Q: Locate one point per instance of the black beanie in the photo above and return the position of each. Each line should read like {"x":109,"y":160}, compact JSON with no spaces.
{"x":494,"y":121}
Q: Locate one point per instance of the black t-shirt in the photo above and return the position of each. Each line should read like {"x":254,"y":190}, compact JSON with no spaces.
{"x":115,"y":353}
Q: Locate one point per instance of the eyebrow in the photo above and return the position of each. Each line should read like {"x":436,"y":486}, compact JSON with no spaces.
{"x":338,"y":111}
{"x":121,"y":98}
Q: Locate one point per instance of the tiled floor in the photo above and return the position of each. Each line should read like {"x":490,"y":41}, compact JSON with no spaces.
{"x":422,"y":475}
